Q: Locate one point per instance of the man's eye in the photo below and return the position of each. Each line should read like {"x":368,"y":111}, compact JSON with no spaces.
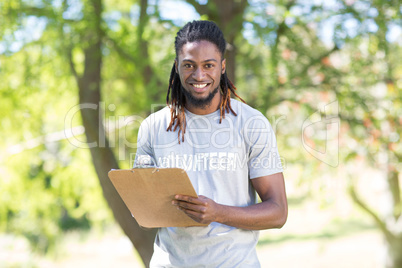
{"x":187,"y":65}
{"x":209,"y":65}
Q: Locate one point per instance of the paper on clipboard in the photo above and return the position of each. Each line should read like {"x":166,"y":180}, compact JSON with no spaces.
{"x":148,"y":194}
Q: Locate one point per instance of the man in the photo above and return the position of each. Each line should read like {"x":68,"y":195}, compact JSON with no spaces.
{"x":229,"y":152}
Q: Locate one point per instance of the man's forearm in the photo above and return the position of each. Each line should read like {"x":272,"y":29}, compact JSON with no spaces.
{"x":264,"y":215}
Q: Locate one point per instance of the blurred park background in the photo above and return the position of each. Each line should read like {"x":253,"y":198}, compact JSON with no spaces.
{"x":77,"y":77}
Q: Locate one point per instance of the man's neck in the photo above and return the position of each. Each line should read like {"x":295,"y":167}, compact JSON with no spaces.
{"x":208,"y":109}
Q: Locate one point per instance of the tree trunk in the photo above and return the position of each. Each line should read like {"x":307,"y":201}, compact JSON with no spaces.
{"x":228,"y":15}
{"x":102,"y":155}
{"x":394,"y":252}
{"x":143,"y":60}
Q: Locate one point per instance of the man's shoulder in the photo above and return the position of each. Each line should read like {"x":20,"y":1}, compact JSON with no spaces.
{"x":248,"y":116}
{"x":162,"y":113}
{"x":243,"y":109}
{"x":158,"y":116}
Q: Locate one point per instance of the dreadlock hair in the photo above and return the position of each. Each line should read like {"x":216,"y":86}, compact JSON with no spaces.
{"x":192,"y":32}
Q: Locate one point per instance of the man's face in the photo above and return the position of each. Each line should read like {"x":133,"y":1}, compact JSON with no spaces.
{"x":200,"y":67}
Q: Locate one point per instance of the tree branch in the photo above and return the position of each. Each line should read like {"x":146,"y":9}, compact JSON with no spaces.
{"x":38,"y":12}
{"x":119,"y":49}
{"x":201,"y":9}
{"x":394,"y":187}
{"x":72,"y":65}
{"x":315,"y":61}
{"x":381,"y":224}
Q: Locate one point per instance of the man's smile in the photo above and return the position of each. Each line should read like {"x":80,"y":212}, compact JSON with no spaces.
{"x":199,"y":85}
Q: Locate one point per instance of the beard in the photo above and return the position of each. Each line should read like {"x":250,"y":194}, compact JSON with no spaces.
{"x":199,"y":102}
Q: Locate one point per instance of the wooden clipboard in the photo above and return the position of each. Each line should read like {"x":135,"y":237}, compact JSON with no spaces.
{"x":148,"y":194}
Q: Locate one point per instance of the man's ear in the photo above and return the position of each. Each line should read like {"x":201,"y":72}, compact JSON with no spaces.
{"x":223,"y":66}
{"x":176,"y":66}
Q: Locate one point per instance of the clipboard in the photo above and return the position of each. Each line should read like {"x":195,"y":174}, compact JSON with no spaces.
{"x":148,"y":194}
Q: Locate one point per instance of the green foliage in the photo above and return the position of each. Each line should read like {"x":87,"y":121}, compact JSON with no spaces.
{"x":43,"y":195}
{"x":48,"y":186}
{"x":291,"y":71}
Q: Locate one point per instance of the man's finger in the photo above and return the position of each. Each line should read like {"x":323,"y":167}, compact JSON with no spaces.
{"x":194,"y":215}
{"x":190,"y":206}
{"x":190,"y":199}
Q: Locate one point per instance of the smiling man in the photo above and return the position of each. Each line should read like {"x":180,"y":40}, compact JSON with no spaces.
{"x":229,"y":152}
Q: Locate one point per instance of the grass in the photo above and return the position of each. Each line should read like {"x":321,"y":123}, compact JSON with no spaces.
{"x":336,"y":229}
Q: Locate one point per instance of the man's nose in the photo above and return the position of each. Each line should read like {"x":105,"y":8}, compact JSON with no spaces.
{"x":198,"y":74}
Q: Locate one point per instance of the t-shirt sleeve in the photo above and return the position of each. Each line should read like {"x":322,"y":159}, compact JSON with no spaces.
{"x":144,"y":156}
{"x":263,"y":152}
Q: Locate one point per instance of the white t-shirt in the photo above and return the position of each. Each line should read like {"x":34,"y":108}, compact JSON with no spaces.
{"x":220,"y":160}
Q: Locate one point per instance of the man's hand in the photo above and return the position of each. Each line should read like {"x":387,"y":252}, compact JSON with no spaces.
{"x":272,"y":212}
{"x":201,"y":209}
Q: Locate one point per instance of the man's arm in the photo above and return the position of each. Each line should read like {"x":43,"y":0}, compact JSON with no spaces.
{"x":270,"y":213}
